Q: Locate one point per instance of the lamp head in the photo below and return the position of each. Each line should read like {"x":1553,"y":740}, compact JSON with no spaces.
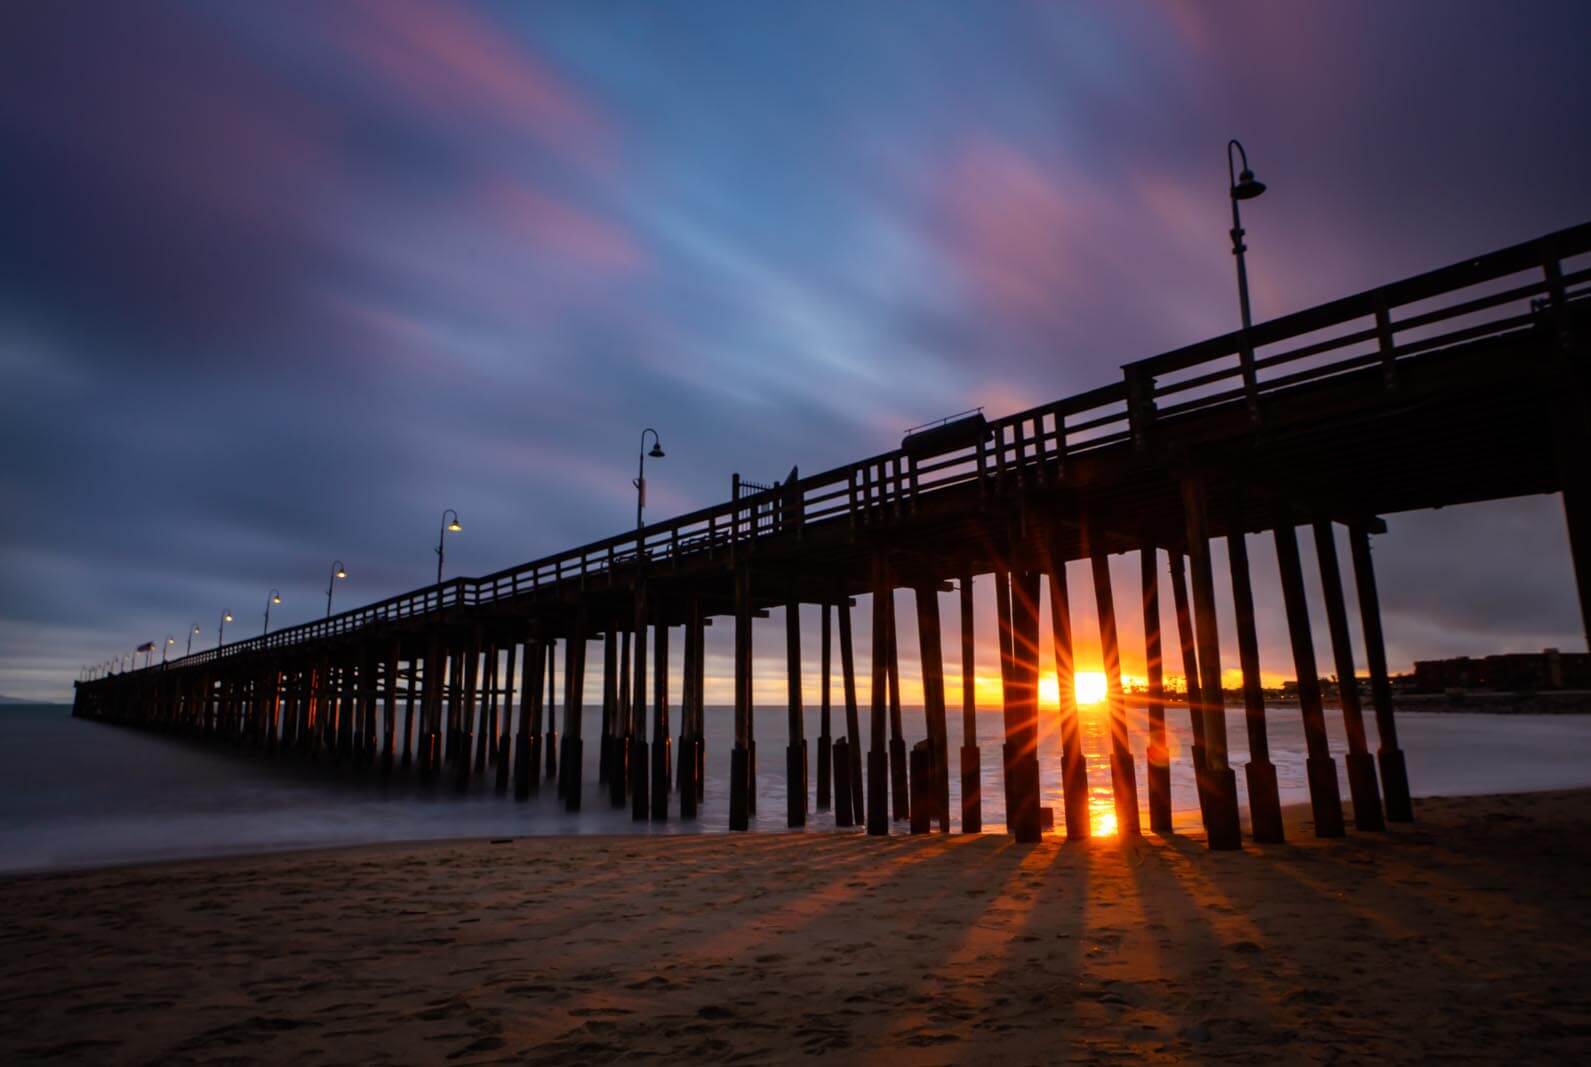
{"x":657,"y":450}
{"x":1247,"y":188}
{"x":276,"y":598}
{"x":341,"y":573}
{"x":227,"y":617}
{"x":454,"y":527}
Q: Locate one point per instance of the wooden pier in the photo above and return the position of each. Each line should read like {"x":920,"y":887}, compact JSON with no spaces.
{"x":1464,"y":384}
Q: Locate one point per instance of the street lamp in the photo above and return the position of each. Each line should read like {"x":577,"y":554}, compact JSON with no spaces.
{"x":226,"y":617}
{"x":1244,"y":187}
{"x":447,"y":528}
{"x":191,"y":633}
{"x":273,"y":597}
{"x":640,"y":478}
{"x":337,"y":572}
{"x":167,"y":648}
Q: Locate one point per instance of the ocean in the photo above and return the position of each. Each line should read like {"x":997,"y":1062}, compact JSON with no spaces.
{"x":83,"y":794}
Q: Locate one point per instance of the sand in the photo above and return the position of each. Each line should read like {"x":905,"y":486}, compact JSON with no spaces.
{"x":1466,"y":936}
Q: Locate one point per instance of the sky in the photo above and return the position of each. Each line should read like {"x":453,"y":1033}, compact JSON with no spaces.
{"x":281,"y":282}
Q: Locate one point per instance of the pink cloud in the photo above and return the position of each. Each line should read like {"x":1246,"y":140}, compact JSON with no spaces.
{"x":449,"y":60}
{"x":561,"y":228}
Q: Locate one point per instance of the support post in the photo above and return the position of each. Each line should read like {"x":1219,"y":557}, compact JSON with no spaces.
{"x":1022,"y":709}
{"x":1362,"y":785}
{"x":931,"y":651}
{"x":1074,"y":767}
{"x":877,"y":756}
{"x":1158,"y":755}
{"x":1190,"y":678}
{"x":739,"y":759}
{"x":1394,"y":771}
{"x":1324,"y":799}
{"x":610,"y":704}
{"x":899,"y":769}
{"x":1123,"y":773}
{"x":527,"y":771}
{"x":971,"y":761}
{"x":825,"y":736}
{"x":795,"y":757}
{"x":619,"y":760}
{"x":662,"y":744}
{"x":574,"y":657}
{"x":549,"y":737}
{"x":1225,"y":832}
{"x":640,"y":755}
{"x":853,"y":728}
{"x":1264,"y":799}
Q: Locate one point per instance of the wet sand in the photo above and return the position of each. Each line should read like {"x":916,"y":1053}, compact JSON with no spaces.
{"x":1465,"y":936}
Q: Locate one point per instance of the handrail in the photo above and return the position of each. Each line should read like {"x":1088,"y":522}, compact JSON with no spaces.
{"x":1018,"y":448}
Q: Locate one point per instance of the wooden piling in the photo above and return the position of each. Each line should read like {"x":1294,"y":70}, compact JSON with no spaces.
{"x":685,"y":776}
{"x":825,"y":736}
{"x":1123,"y":774}
{"x":1264,"y":799}
{"x":795,"y":755}
{"x":1074,"y":766}
{"x":853,"y":729}
{"x":842,"y":784}
{"x":1158,"y":755}
{"x":504,"y":742}
{"x":610,"y":704}
{"x":662,"y":746}
{"x":739,"y":770}
{"x":931,"y":652}
{"x":877,"y":755}
{"x":461,"y":768}
{"x":527,"y":763}
{"x":619,"y":771}
{"x":640,"y":754}
{"x":390,"y":710}
{"x":1362,"y":784}
{"x":1224,"y":829}
{"x":1190,"y":677}
{"x":923,"y":786}
{"x":488,"y":707}
{"x":1394,"y":771}
{"x":1324,"y":799}
{"x":549,"y":738}
{"x":971,"y":761}
{"x":899,"y":769}
{"x":574,"y":671}
{"x":1022,"y":709}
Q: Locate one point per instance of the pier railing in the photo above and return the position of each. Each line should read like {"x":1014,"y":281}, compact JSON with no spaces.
{"x":1528,"y":286}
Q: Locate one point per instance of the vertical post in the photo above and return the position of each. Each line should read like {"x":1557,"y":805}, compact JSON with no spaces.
{"x":465,"y":735}
{"x":825,"y":734}
{"x":1022,"y":709}
{"x":877,"y":757}
{"x":1123,"y":774}
{"x":1158,"y":755}
{"x":795,"y":759}
{"x":484,"y":741}
{"x":527,"y":768}
{"x":549,"y":737}
{"x":619,"y":762}
{"x":689,"y":789}
{"x":931,"y":652}
{"x":390,"y":706}
{"x":1074,"y":768}
{"x":899,"y":770}
{"x":853,"y":728}
{"x":610,"y":703}
{"x":1324,"y":800}
{"x":1264,"y":800}
{"x":1002,"y":614}
{"x":1190,"y":677}
{"x":1362,"y":785}
{"x":662,"y":744}
{"x":640,"y":756}
{"x":574,"y":658}
{"x":971,"y":762}
{"x":1223,"y":827}
{"x":739,"y":760}
{"x":504,"y":742}
{"x":431,"y":709}
{"x":1394,"y":772}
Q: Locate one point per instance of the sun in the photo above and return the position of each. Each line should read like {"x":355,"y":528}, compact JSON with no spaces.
{"x":1090,"y":686}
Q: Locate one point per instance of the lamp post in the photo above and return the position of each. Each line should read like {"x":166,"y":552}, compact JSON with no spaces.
{"x":337,"y":573}
{"x":640,"y":476}
{"x":226,"y":617}
{"x":1243,"y":186}
{"x":273,"y":597}
{"x":191,"y":632}
{"x":166,"y":648}
{"x":441,"y":539}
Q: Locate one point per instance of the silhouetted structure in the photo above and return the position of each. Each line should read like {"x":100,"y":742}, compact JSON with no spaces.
{"x":1467,"y":383}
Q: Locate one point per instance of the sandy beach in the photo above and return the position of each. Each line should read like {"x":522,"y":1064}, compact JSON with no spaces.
{"x":1466,"y":936}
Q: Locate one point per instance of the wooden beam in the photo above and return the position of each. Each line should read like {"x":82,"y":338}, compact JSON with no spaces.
{"x":1394,"y":771}
{"x":1362,"y":786}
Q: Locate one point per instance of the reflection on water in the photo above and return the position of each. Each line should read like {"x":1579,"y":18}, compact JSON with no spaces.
{"x":82,"y":793}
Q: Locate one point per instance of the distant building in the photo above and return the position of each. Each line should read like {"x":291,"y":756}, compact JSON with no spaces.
{"x":1512,"y":672}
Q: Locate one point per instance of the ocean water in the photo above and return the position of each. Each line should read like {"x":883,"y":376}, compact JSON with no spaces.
{"x":85,"y":794}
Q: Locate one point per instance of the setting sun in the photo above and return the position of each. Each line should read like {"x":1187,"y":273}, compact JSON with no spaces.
{"x":1090,"y":686}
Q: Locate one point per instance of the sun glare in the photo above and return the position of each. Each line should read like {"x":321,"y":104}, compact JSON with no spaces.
{"x":1090,"y":686}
